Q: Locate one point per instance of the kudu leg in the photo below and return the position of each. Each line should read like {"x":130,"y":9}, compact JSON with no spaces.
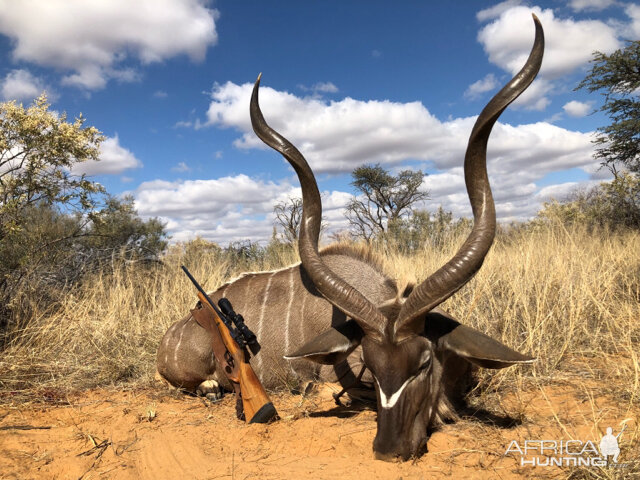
{"x":336,"y":396}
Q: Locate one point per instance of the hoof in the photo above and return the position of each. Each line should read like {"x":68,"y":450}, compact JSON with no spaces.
{"x":211,"y":390}
{"x":214,"y":397}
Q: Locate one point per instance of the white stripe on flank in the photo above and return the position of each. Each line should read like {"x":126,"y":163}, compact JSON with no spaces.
{"x":389,"y":402}
{"x":301,"y":319}
{"x":175,"y":352}
{"x":265,"y":299}
{"x":288,"y":318}
{"x":246,"y":295}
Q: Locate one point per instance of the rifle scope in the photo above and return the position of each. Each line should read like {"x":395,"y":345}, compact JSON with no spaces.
{"x":248,"y":336}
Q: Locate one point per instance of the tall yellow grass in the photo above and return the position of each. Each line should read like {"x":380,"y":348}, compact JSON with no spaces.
{"x":571,"y":297}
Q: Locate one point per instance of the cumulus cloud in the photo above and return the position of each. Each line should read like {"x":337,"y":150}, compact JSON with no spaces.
{"x":496,"y":10}
{"x":91,"y":40}
{"x":591,"y":5}
{"x":577,"y":109}
{"x":194,"y":197}
{"x":597,"y":171}
{"x":515,"y":192}
{"x":114,"y":159}
{"x":320,"y":87}
{"x":569,"y":45}
{"x":183,"y":124}
{"x":181,"y":167}
{"x":338,"y":136}
{"x":486,"y":84}
{"x":535,"y":97}
{"x":223,"y":210}
{"x":561,"y":191}
{"x":21,"y":85}
{"x":235,"y":208}
{"x":633,"y":11}
{"x":227,"y":209}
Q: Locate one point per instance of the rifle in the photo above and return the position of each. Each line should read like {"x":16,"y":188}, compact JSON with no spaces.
{"x":230,"y":339}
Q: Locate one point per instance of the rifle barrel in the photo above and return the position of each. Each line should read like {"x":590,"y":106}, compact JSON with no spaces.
{"x":201,"y":290}
{"x":222,"y":316}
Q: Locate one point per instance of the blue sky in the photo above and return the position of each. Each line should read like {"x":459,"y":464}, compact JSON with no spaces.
{"x":400,"y":84}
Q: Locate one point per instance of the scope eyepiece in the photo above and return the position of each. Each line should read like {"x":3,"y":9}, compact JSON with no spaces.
{"x":225,"y":306}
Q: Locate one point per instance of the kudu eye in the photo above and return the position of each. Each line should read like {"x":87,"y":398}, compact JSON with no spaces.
{"x":424,"y":363}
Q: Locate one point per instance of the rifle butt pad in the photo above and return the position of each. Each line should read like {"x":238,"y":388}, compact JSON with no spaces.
{"x":264,"y":414}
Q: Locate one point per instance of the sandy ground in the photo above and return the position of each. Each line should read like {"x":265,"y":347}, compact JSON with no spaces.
{"x":156,"y":434}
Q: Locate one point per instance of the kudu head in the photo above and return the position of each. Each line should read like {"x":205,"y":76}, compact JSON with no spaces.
{"x":405,"y":342}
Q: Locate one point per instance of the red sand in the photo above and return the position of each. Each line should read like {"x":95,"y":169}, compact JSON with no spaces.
{"x":154,"y":434}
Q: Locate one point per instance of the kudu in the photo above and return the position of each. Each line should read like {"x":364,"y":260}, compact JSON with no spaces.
{"x":339,"y":299}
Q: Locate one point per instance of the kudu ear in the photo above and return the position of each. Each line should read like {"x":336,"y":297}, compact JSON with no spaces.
{"x":469,"y":343}
{"x":332,"y":346}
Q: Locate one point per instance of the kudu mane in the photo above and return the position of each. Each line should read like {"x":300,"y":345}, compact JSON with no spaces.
{"x":358,"y":251}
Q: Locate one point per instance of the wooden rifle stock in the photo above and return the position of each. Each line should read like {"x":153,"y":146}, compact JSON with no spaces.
{"x":235,"y":363}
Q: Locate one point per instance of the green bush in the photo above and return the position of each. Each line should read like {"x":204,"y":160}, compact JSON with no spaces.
{"x":614,"y":204}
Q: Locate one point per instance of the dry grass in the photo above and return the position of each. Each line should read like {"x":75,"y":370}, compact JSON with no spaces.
{"x":107,"y":331}
{"x":570,"y":297}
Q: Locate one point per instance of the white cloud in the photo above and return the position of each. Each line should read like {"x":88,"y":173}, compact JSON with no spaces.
{"x":569,"y":45}
{"x":93,"y":38}
{"x":183,"y":124}
{"x":222,"y":210}
{"x":22,"y":85}
{"x":561,"y":191}
{"x":239,"y":207}
{"x":114,"y":159}
{"x":556,"y":192}
{"x":320,"y":87}
{"x":440,"y":185}
{"x":193,"y":197}
{"x":181,"y":167}
{"x":592,"y":5}
{"x":516,"y":194}
{"x":227,"y":209}
{"x":325,"y":87}
{"x":577,"y":109}
{"x":495,"y":11}
{"x":633,"y":30}
{"x":535,"y":97}
{"x":597,"y":171}
{"x":338,"y":136}
{"x":486,"y":84}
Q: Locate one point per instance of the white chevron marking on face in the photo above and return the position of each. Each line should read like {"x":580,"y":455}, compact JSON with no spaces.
{"x":389,"y":402}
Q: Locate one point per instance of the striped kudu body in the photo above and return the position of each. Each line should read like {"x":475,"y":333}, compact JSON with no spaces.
{"x":284,"y":310}
{"x":339,"y":300}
